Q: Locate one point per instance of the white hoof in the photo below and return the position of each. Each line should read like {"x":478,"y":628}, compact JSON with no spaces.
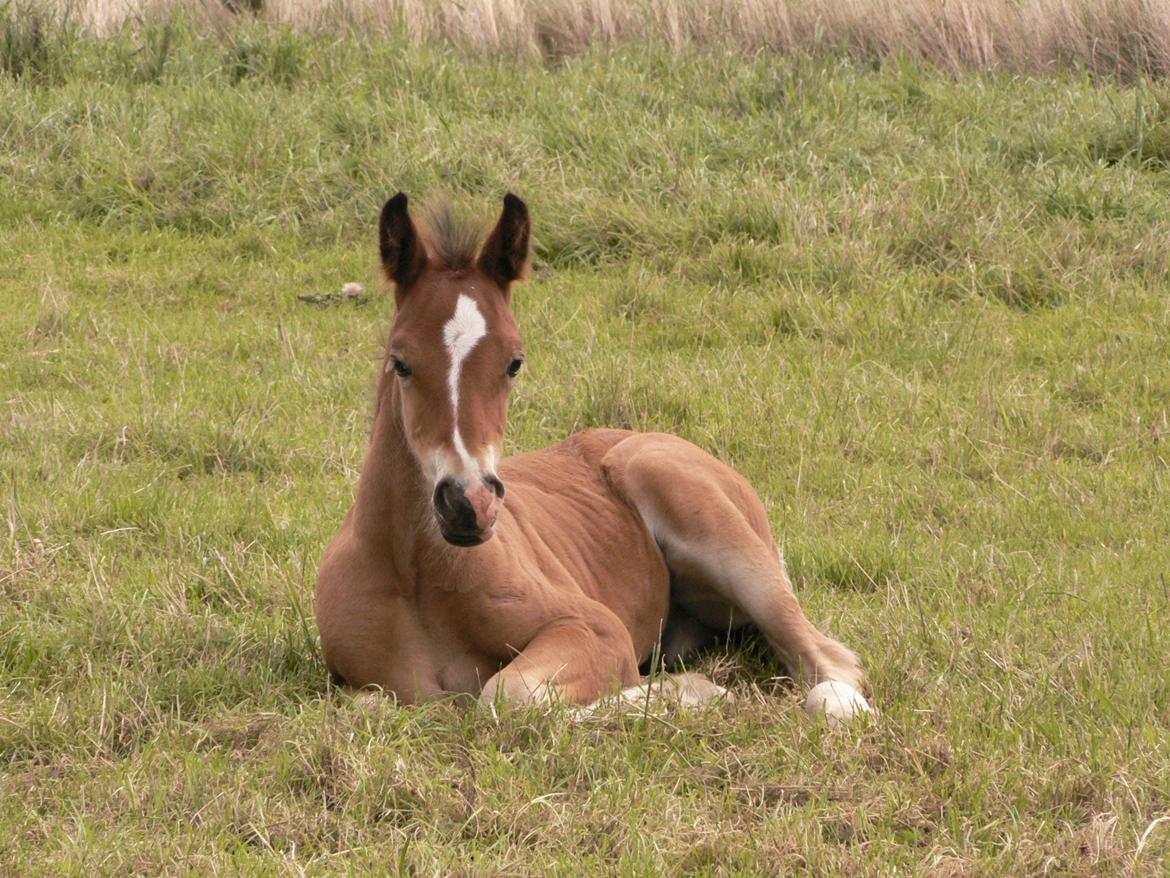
{"x":839,"y":703}
{"x":685,"y":690}
{"x":682,"y":690}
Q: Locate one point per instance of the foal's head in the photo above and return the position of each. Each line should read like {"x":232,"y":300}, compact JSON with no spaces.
{"x":454,"y":350}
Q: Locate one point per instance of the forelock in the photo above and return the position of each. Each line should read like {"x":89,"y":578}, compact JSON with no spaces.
{"x":452,"y":240}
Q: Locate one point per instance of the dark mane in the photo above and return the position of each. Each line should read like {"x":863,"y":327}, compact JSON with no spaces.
{"x":451,"y":240}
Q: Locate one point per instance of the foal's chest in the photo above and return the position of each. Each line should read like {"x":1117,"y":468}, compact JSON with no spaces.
{"x":427,"y":656}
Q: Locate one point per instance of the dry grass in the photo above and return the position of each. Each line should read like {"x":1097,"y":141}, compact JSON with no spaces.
{"x":1126,"y":38}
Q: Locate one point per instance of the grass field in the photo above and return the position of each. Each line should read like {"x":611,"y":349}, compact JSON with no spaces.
{"x":926,"y":315}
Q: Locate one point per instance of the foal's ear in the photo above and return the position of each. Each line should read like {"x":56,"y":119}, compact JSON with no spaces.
{"x":403,"y":256}
{"x":504,"y":257}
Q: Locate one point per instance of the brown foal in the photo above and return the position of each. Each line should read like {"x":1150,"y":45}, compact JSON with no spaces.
{"x":551,"y":574}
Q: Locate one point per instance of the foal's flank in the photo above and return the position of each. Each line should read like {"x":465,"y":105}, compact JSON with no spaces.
{"x":551,"y":574}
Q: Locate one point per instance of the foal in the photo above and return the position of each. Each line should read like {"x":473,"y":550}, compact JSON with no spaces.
{"x":551,"y":574}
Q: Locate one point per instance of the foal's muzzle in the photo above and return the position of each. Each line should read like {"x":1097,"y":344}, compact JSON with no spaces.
{"x":467,"y":514}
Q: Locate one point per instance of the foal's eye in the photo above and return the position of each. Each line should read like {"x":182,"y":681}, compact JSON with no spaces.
{"x":514,"y":367}
{"x":400,"y":368}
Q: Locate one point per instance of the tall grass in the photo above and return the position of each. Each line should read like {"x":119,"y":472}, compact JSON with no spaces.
{"x":1125,"y":38}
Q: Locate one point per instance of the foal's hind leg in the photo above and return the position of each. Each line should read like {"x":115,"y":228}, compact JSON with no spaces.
{"x":715,"y":537}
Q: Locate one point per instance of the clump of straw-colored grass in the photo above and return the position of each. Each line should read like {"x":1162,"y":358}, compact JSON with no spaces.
{"x":1127,"y":38}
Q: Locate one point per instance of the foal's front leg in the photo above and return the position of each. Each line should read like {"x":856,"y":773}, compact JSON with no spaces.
{"x":577,"y":659}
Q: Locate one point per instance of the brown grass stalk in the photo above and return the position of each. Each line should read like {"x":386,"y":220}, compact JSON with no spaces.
{"x":1126,"y":38}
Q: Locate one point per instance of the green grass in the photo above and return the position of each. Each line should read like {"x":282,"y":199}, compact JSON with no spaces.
{"x":926,"y":316}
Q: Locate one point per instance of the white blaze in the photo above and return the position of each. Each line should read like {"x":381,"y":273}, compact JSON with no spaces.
{"x":460,"y":336}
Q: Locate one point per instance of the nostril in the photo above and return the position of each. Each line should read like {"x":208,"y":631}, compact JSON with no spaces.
{"x":446,"y":495}
{"x":494,"y":485}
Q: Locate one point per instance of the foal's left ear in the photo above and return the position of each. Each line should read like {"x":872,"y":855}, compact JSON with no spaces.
{"x":504,"y":257}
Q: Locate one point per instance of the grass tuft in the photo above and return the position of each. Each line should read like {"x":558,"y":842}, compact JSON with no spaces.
{"x":1141,"y":136}
{"x":33,"y":45}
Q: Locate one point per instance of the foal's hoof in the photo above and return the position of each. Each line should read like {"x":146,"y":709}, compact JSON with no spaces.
{"x":685,"y":690}
{"x":839,"y":703}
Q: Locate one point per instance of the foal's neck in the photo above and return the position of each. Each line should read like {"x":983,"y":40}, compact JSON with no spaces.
{"x":392,"y":509}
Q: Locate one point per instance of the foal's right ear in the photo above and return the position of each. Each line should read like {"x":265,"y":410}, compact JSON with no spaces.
{"x":403,"y":256}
